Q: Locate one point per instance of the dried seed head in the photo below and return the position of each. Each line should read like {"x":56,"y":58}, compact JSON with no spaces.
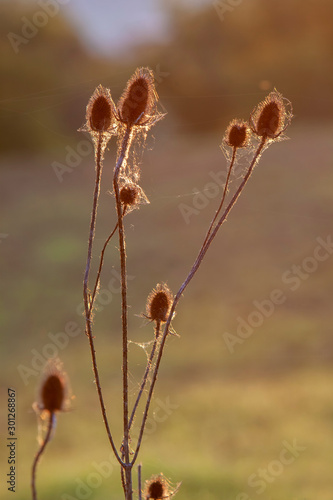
{"x":100,"y":112}
{"x":129,"y":194}
{"x":137,"y":105}
{"x":157,"y":488}
{"x":271,"y":117}
{"x":53,"y":391}
{"x":237,"y":134}
{"x":159,"y":303}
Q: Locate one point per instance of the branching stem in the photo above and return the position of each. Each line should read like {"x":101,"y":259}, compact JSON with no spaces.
{"x":195,"y":267}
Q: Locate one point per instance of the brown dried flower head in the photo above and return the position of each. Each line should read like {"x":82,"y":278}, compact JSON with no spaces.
{"x":271,"y":117}
{"x":53,"y":393}
{"x":157,"y":488}
{"x":100,"y":112}
{"x":131,"y":195}
{"x":237,"y":134}
{"x":137,"y":105}
{"x":159,"y":303}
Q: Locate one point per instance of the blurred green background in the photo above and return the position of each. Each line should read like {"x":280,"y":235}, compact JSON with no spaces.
{"x":231,"y":413}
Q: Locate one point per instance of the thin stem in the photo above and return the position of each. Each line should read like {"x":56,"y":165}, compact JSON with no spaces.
{"x":139,"y":482}
{"x":232,"y":162}
{"x":92,"y":300}
{"x":100,"y":269}
{"x":39,"y":454}
{"x":145,"y":376}
{"x":189,"y":277}
{"x":126,"y":142}
{"x":86,"y":297}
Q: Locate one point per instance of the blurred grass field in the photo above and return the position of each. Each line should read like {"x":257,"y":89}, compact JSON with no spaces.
{"x":231,"y":412}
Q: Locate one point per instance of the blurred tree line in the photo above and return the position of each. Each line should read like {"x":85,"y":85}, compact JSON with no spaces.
{"x":214,"y":66}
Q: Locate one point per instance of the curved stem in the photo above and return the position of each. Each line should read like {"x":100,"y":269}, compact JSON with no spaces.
{"x":86,"y":296}
{"x":189,"y":277}
{"x":39,"y":454}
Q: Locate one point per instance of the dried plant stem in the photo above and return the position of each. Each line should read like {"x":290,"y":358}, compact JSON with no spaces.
{"x":92,"y":300}
{"x":126,"y":142}
{"x":139,"y":483}
{"x":146,"y":374}
{"x":39,"y":454}
{"x":86,"y":297}
{"x":232,"y":162}
{"x":189,"y":277}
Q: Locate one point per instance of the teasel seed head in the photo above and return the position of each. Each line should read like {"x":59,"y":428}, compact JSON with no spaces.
{"x":159,"y":303}
{"x":138,"y":103}
{"x":53,"y":393}
{"x":131,"y":195}
{"x":271,"y":117}
{"x":237,"y":134}
{"x":100,"y":113}
{"x":157,"y":488}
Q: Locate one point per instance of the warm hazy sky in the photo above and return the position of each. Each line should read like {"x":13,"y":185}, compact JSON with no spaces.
{"x":109,"y":24}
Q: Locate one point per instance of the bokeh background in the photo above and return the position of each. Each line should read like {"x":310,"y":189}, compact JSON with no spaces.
{"x":229,"y":414}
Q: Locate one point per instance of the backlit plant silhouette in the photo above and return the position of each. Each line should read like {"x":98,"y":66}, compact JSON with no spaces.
{"x":137,"y":111}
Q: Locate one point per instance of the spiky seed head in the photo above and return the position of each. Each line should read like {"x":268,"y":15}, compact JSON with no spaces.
{"x":100,"y":111}
{"x":139,"y":98}
{"x":159,"y":303}
{"x":101,"y":115}
{"x":237,"y":134}
{"x":129,"y":194}
{"x":270,"y":118}
{"x":157,"y":488}
{"x":53,"y":392}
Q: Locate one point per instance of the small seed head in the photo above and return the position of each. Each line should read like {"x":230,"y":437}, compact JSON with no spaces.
{"x":237,"y":134}
{"x":129,"y":194}
{"x":100,"y":111}
{"x":101,"y":115}
{"x":53,"y":392}
{"x":157,"y":488}
{"x":159,"y":303}
{"x":270,"y":118}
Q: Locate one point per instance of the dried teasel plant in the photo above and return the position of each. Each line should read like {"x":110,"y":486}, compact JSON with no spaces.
{"x":136,"y":112}
{"x":53,"y":397}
